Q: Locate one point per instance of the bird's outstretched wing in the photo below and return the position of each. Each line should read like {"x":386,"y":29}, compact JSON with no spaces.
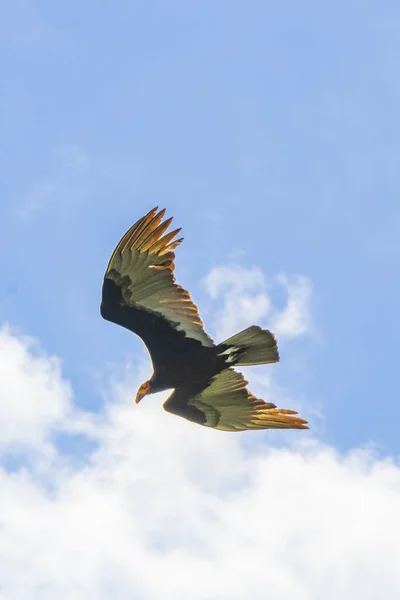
{"x":140,"y":293}
{"x":228,"y":405}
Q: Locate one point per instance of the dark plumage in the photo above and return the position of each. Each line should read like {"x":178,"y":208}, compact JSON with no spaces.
{"x":140,"y":294}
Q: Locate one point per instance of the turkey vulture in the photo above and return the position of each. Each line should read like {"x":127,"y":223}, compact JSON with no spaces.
{"x":140,"y":294}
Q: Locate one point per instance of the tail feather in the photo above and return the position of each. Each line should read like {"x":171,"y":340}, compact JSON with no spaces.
{"x":258,"y":346}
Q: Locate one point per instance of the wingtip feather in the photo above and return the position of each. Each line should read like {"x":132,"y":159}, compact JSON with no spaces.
{"x":147,"y":235}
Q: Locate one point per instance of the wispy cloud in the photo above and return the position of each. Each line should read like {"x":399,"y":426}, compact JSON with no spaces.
{"x":247,"y":298}
{"x":72,"y":158}
{"x":41,"y":194}
{"x":295,"y":319}
{"x":70,"y":162}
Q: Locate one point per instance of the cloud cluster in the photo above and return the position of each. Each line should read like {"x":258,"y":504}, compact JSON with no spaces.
{"x":246,"y":296}
{"x":33,"y":396}
{"x":163,"y":508}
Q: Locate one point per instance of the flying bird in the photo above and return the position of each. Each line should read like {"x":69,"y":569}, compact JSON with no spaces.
{"x":139,"y":293}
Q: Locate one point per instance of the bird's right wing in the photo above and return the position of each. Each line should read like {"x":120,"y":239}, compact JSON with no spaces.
{"x":228,"y":405}
{"x":140,"y":293}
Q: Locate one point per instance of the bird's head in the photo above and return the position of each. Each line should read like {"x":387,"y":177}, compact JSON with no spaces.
{"x":144,"y":389}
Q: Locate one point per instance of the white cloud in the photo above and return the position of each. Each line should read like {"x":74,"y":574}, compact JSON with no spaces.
{"x":244,"y":298}
{"x":33,"y":397}
{"x":247,"y":298}
{"x":222,"y":280}
{"x":166,"y":509}
{"x":295,"y":319}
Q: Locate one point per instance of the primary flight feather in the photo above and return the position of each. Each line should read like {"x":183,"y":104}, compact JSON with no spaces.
{"x":140,"y":294}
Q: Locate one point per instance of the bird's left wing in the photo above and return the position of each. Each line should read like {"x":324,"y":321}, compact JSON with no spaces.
{"x":142,"y":267}
{"x":228,"y":405}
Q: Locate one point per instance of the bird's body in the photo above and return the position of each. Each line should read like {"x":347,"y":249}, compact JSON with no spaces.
{"x":140,"y":294}
{"x":181,"y":361}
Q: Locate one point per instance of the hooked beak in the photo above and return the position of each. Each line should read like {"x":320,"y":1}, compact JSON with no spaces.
{"x":142,"y":391}
{"x":138,"y":398}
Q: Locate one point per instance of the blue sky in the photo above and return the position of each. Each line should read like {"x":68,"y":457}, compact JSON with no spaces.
{"x":270,"y":131}
{"x":267,"y":130}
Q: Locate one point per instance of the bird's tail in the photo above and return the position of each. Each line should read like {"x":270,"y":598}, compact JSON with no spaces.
{"x":252,"y":346}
